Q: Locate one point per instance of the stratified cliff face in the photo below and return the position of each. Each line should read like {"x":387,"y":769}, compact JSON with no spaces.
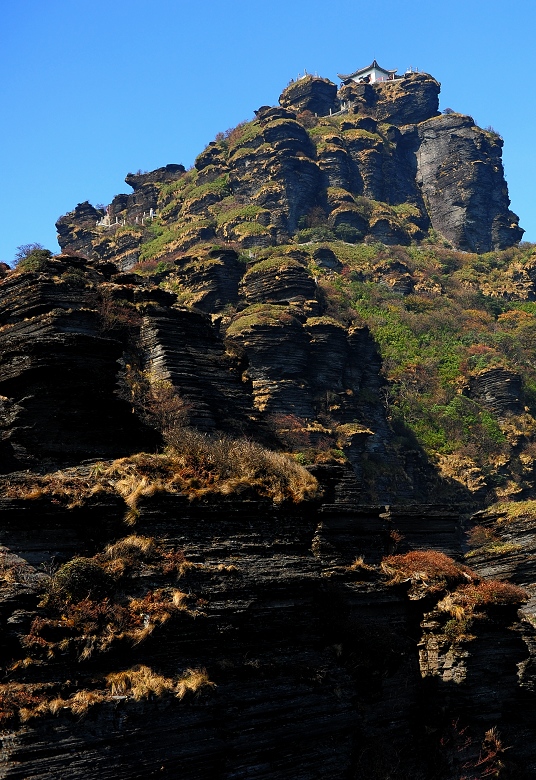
{"x":279,"y":362}
{"x":313,"y":161}
{"x":462,"y":181}
{"x":311,"y":94}
{"x":244,"y":418}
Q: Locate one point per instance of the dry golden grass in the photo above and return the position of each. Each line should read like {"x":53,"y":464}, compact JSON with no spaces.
{"x":25,"y":702}
{"x":131,"y":547}
{"x":64,"y":488}
{"x":140,"y":682}
{"x":195,"y":464}
{"x":129,"y":553}
{"x":227,"y":568}
{"x":83,"y":700}
{"x":56,"y":705}
{"x":179,"y":599}
{"x":192,"y":681}
{"x":360,"y":565}
{"x":228,"y":466}
{"x":448,"y":604}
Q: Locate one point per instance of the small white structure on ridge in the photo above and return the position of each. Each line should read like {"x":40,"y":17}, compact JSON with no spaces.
{"x":369,"y":75}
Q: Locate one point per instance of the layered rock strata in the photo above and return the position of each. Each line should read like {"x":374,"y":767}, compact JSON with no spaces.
{"x":299,"y":166}
{"x":315,"y":659}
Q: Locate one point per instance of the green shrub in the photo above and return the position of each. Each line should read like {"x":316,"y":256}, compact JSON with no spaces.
{"x":348,"y":233}
{"x":34,"y":259}
{"x":318,"y":233}
{"x":79,"y":579}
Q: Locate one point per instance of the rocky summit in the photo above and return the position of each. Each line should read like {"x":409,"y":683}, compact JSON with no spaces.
{"x":268,"y":459}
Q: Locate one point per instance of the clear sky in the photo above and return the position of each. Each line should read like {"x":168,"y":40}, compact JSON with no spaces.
{"x":91,"y":91}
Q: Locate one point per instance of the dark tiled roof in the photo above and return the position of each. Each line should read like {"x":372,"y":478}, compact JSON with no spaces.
{"x":374,"y":64}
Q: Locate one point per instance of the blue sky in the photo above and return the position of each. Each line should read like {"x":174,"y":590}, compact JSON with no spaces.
{"x":91,"y":91}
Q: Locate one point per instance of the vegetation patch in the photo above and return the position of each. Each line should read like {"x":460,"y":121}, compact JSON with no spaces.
{"x":261,"y":315}
{"x":240,"y":213}
{"x":428,"y":571}
{"x":270,"y":264}
{"x":509,"y":511}
{"x":24,"y":702}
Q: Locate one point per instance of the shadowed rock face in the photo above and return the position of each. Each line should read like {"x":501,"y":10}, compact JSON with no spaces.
{"x":461,"y":176}
{"x":58,"y":370}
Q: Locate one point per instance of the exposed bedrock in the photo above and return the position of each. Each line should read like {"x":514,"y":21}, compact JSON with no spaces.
{"x":59,"y":366}
{"x":256,"y":187}
{"x":462,"y":180}
{"x":181,"y":347}
{"x":318,"y":664}
{"x":499,"y":390}
{"x":208,"y":281}
{"x":404,"y":101}
{"x":284,"y":280}
{"x":311,"y":93}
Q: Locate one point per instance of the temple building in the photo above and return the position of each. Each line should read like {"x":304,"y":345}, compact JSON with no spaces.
{"x":370,"y":74}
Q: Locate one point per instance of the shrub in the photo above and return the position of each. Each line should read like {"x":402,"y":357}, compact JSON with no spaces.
{"x":116,"y":314}
{"x":307,"y":119}
{"x":480,"y":536}
{"x":32,"y":257}
{"x":156,"y":401}
{"x":348,"y":233}
{"x":14,"y":697}
{"x":318,"y":233}
{"x":78,"y":579}
{"x":429,"y":570}
{"x":489,"y":593}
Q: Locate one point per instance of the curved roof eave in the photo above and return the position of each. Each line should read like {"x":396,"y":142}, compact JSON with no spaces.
{"x":373,"y":64}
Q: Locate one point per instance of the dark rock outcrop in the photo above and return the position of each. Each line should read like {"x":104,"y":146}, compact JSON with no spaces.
{"x":168,"y":173}
{"x":499,"y":390}
{"x":313,"y":656}
{"x":53,"y":327}
{"x":402,"y":101}
{"x":462,"y":180}
{"x":210,"y":283}
{"x":203,"y":376}
{"x":310,"y":93}
{"x":282,"y":281}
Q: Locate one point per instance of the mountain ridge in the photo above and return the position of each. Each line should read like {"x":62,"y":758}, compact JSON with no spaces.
{"x":268,"y":460}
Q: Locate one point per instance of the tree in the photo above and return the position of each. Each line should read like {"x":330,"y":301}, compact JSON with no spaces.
{"x":24,"y":250}
{"x":31,"y":257}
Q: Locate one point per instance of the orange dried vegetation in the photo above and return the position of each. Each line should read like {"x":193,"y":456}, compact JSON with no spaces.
{"x":425,"y":565}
